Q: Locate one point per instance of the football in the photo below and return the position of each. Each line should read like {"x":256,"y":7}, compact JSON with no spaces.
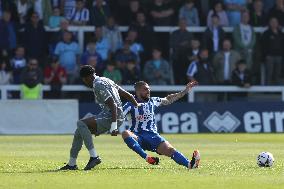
{"x":265,"y":159}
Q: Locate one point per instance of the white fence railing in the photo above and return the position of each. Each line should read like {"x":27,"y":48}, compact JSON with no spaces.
{"x":81,"y":30}
{"x":156,"y":88}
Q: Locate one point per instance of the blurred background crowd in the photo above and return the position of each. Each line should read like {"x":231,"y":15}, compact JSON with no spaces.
{"x":38,"y":47}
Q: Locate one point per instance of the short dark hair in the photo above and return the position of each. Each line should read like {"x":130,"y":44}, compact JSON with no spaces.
{"x":86,"y":71}
{"x":139,"y":84}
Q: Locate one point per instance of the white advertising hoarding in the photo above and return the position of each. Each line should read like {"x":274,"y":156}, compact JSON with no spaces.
{"x":38,"y":116}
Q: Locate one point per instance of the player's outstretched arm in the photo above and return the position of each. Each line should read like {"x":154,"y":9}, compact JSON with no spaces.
{"x":176,"y":96}
{"x":129,"y":97}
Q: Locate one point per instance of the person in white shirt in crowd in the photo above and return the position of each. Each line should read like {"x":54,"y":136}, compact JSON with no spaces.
{"x":22,"y":8}
{"x":244,"y":39}
{"x":224,"y":62}
{"x":5,"y":75}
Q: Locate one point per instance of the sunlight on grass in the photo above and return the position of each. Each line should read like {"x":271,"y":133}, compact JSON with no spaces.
{"x":228,"y":161}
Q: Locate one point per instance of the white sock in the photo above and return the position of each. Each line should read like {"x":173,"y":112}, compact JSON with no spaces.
{"x":93,"y":153}
{"x":72,"y":161}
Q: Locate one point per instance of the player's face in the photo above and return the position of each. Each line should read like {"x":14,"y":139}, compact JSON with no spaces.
{"x":144,"y":92}
{"x":88,"y":81}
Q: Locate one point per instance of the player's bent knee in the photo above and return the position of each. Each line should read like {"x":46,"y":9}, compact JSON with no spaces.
{"x":125,"y":134}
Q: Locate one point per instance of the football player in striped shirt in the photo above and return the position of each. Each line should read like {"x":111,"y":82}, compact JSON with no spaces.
{"x":143,"y":134}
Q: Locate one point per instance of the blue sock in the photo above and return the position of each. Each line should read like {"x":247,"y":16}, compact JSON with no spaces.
{"x":133,"y":144}
{"x":180,"y":159}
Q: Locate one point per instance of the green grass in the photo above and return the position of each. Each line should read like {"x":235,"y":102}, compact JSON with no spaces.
{"x":228,"y":161}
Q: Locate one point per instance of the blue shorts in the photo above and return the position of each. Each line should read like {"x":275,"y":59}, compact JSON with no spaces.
{"x":149,"y":141}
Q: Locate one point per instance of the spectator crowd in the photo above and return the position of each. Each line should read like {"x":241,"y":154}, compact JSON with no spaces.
{"x":31,"y":56}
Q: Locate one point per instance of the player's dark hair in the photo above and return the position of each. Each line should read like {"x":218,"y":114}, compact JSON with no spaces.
{"x":86,"y":71}
{"x":139,"y":84}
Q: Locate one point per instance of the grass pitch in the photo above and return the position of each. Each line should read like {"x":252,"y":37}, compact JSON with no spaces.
{"x":228,"y":161}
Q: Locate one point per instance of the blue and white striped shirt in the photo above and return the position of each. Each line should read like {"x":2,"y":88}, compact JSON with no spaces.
{"x":192,"y":69}
{"x":142,"y":118}
{"x":68,"y":6}
{"x":79,"y":15}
